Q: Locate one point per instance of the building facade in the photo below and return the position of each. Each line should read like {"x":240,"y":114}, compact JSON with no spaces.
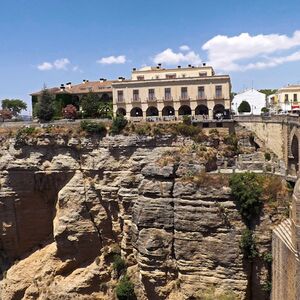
{"x":255,"y":99}
{"x":166,"y":94}
{"x":72,"y":94}
{"x":288,"y":98}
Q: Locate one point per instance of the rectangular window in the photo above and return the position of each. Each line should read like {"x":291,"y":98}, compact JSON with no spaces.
{"x":135,"y":95}
{"x":170,"y":76}
{"x":286,"y":98}
{"x":151,"y":94}
{"x":203,"y":74}
{"x":140,"y":77}
{"x":184,"y":93}
{"x":201,"y":94}
{"x":168,"y":95}
{"x":295,"y":98}
{"x":218,"y":91}
{"x":120,"y":96}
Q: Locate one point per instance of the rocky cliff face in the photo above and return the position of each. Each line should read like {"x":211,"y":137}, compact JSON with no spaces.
{"x":66,"y":204}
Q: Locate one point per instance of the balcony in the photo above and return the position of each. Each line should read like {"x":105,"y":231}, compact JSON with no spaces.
{"x":151,"y":99}
{"x":219,"y":96}
{"x":201,"y":97}
{"x":167,"y":98}
{"x":135,"y":99}
{"x":184,"y":98}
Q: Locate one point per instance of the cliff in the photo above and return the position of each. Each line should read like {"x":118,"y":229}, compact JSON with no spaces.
{"x":68,"y":204}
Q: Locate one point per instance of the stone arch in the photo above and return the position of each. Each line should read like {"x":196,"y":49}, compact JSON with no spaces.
{"x":136,"y":112}
{"x":121,"y":111}
{"x":184,"y":110}
{"x":201,"y":110}
{"x":168,"y":111}
{"x":152,"y":111}
{"x":218,"y":109}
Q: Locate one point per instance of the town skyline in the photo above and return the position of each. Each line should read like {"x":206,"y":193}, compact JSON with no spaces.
{"x":56,"y":42}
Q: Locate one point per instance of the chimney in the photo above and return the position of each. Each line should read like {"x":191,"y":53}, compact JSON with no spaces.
{"x":84,"y":81}
{"x":189,"y":66}
{"x":133,"y":69}
{"x":69,"y":85}
{"x":159,"y":64}
{"x":178,"y":67}
{"x":62,"y":87}
{"x":204,"y":64}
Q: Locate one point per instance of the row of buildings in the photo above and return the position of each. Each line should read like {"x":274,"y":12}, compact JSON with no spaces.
{"x":156,"y":93}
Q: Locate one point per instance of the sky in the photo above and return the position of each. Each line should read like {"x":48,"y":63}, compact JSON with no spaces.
{"x":52,"y":42}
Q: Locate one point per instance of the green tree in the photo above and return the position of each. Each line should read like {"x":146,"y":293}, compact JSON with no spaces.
{"x":105,"y":109}
{"x":118,"y":124}
{"x":90,"y":105}
{"x":248,"y":244}
{"x":244,"y":107}
{"x":246,"y":189}
{"x":15,"y":106}
{"x":268,"y":92}
{"x":125,"y":289}
{"x":44,"y":107}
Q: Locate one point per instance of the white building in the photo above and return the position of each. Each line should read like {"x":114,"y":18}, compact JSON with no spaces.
{"x":256,"y":100}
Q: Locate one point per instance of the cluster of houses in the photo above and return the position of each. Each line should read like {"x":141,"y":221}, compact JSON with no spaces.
{"x":157,"y":93}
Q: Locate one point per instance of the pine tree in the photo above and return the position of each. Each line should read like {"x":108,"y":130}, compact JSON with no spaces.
{"x":45,"y":110}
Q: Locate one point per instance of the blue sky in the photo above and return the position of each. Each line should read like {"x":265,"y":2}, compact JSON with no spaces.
{"x":54,"y":42}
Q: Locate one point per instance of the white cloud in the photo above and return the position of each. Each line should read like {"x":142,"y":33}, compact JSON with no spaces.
{"x":121,"y":59}
{"x":45,"y":66}
{"x":184,"y":48}
{"x":58,"y":64}
{"x":227,"y":53}
{"x":61,"y":64}
{"x":169,"y":57}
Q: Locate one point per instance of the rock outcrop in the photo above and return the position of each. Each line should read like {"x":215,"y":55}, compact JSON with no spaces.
{"x":66,"y":204}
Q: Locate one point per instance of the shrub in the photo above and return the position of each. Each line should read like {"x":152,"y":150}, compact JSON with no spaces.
{"x":246,"y":189}
{"x":118,"y":124}
{"x":186,"y":120}
{"x":244,"y":107}
{"x":93,"y":127}
{"x":267,"y":257}
{"x":143,"y":129}
{"x":90,"y":104}
{"x":70,"y":112}
{"x":119,"y":264}
{"x":24,"y":132}
{"x":125,"y":289}
{"x":267,"y":286}
{"x":5,"y":114}
{"x":187,"y":130}
{"x":267,"y":156}
{"x":248,"y":245}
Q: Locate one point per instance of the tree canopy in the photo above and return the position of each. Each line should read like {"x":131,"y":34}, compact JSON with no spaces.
{"x":15,"y":106}
{"x":44,"y":108}
{"x":244,"y":107}
{"x":90,"y":105}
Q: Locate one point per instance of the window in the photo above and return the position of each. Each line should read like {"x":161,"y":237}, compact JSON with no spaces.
{"x":135,"y":95}
{"x":295,"y":98}
{"x":170,"y":76}
{"x":120,"y":96}
{"x":218,"y":91}
{"x":201,"y":94}
{"x":286,"y":98}
{"x":140,"y":77}
{"x":151,"y":94}
{"x":168,"y":94}
{"x":203,"y":74}
{"x":184,"y":93}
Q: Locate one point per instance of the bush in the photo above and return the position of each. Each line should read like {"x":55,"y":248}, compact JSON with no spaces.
{"x":267,"y":156}
{"x":118,"y":124}
{"x":244,"y":107}
{"x":187,"y":130}
{"x":24,"y":132}
{"x":90,"y":105}
{"x":5,"y":114}
{"x":125,"y":289}
{"x":246,"y":189}
{"x":119,"y":264}
{"x":93,"y":127}
{"x":187,"y":120}
{"x":70,"y":112}
{"x":248,"y":245}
